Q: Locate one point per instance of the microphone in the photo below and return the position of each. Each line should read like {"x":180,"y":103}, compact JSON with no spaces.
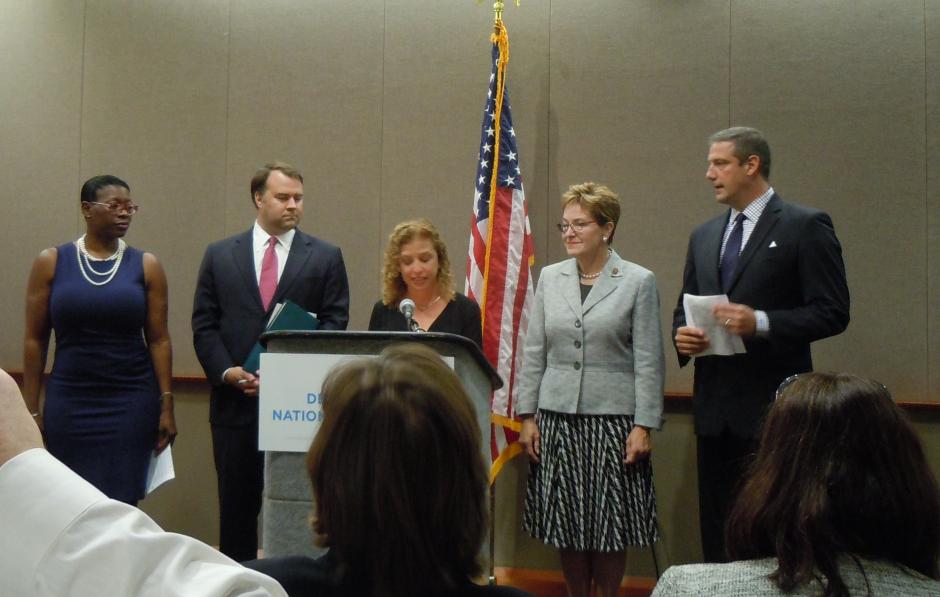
{"x":407,"y":308}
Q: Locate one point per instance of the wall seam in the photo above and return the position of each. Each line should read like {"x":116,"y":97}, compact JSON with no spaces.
{"x":927,"y":247}
{"x":81,"y":109}
{"x":225,"y":132}
{"x":381,"y":223}
{"x":548,"y":147}
{"x":730,"y":31}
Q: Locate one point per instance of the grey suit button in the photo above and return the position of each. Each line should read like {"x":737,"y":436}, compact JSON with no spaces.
{"x":577,"y":365}
{"x":577,"y":323}
{"x":577,"y":344}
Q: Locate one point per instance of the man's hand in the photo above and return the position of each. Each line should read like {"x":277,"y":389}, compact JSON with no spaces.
{"x":18,"y":432}
{"x":691,"y":341}
{"x":241,"y":379}
{"x":737,"y":319}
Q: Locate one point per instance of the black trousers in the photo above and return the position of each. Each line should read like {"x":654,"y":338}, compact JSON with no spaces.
{"x":240,"y":469}
{"x":722,"y":461}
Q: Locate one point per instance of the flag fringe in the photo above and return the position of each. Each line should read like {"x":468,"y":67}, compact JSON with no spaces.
{"x":501,"y":37}
{"x":511,"y":451}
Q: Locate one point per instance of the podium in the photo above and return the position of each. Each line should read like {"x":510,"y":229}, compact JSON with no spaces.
{"x":287,"y":501}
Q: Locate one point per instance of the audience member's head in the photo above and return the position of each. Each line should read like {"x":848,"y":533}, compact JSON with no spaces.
{"x":839,"y":471}
{"x":398,"y":475}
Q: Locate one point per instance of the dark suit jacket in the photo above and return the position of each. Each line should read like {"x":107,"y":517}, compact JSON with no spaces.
{"x":792,"y":269}
{"x":303,"y":576}
{"x":228,"y":315}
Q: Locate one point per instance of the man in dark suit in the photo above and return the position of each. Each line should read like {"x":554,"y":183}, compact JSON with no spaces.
{"x":781,"y":266}
{"x":240,"y":280}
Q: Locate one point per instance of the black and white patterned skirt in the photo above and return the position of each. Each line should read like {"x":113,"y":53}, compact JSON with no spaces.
{"x":582,"y":496}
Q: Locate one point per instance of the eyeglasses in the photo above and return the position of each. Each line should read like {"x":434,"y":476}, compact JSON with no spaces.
{"x":783,"y":385}
{"x":116,"y":207}
{"x":576,"y":226}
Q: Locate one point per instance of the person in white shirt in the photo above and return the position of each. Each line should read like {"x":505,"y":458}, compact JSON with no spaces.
{"x":62,"y":537}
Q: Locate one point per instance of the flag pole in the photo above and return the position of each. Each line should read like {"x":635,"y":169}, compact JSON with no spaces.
{"x":498,"y":32}
{"x":498,"y":6}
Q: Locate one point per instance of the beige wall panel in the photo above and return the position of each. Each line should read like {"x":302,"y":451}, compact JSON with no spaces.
{"x":305,"y":87}
{"x":154,"y":114}
{"x":933,"y":197}
{"x":529,"y":85}
{"x":436,"y":79}
{"x":636,"y":87}
{"x":838,"y":87}
{"x":41,"y":62}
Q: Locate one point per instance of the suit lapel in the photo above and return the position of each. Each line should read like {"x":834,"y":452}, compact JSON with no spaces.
{"x":606,"y":284}
{"x":570,"y":288}
{"x":711,"y":251}
{"x":300,"y":251}
{"x":243,"y":256}
{"x":768,"y":219}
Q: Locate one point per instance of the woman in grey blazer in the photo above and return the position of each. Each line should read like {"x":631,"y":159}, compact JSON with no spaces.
{"x":839,"y":501}
{"x":591,"y":388}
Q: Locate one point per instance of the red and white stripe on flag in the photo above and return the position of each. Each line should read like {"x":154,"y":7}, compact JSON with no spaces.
{"x":500,"y":255}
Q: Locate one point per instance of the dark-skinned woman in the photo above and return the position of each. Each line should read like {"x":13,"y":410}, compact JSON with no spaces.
{"x":108,"y":401}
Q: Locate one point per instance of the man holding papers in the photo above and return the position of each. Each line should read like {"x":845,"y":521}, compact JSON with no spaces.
{"x":775,"y":275}
{"x":241,"y":279}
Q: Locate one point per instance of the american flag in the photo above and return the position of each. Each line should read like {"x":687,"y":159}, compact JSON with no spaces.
{"x":501,"y":255}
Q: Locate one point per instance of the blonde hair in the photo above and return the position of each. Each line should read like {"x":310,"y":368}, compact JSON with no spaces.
{"x":599,"y":201}
{"x":393,"y":287}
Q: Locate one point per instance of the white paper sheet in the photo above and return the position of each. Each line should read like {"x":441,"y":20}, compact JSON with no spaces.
{"x":161,"y":469}
{"x":698,"y":314}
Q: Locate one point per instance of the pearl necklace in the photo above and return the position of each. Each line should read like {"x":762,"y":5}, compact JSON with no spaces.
{"x":598,"y":273}
{"x":84,"y":262}
{"x":428,"y":306}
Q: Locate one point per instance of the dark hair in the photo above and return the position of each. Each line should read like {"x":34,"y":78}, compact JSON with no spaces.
{"x":839,"y":471}
{"x":747,"y":142}
{"x":260,"y":179}
{"x":89,"y":193}
{"x":398,"y":475}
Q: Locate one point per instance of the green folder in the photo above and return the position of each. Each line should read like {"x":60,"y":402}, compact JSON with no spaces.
{"x":286,"y":316}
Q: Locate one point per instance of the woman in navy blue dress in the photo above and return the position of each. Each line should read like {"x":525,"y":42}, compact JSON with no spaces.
{"x":108,"y":402}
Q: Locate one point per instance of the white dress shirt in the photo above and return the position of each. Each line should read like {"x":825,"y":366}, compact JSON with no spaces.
{"x":751,"y":213}
{"x":61,"y":537}
{"x":259,"y":244}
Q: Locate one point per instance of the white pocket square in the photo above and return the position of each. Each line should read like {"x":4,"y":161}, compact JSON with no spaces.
{"x":773,"y":244}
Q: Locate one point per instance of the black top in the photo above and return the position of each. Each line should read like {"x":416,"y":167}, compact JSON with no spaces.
{"x":302,"y":576}
{"x":461,"y":316}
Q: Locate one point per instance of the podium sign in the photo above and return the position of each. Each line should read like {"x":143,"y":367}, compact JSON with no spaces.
{"x":290,"y":407}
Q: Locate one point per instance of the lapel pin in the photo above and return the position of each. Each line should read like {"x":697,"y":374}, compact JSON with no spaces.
{"x":773,"y":244}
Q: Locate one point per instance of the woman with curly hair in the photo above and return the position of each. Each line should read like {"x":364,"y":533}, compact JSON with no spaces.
{"x":417,"y":267}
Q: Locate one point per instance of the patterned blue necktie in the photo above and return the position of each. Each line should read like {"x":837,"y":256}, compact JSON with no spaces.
{"x":732,"y":250}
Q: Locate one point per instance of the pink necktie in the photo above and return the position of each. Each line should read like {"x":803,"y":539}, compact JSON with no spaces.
{"x":268,"y":282}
